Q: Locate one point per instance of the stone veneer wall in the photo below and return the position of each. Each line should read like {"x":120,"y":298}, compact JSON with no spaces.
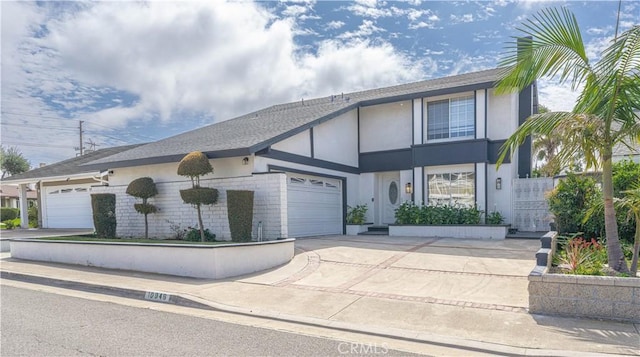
{"x":270,"y":207}
{"x":602,"y":297}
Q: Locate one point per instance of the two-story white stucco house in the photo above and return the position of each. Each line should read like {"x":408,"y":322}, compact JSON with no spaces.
{"x":429,"y":141}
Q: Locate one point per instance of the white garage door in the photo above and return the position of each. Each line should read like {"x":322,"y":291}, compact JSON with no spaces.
{"x":68,"y":207}
{"x":314,"y":205}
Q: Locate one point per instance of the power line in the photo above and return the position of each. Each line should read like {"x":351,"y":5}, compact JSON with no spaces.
{"x":37,"y":126}
{"x":36,"y":145}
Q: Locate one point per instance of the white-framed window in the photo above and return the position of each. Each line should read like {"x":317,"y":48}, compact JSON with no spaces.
{"x":451,"y":118}
{"x":451,"y":185}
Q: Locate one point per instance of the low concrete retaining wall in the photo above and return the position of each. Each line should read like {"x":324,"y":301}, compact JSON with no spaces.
{"x":198,"y":261}
{"x":4,"y":245}
{"x":354,"y":229}
{"x":475,"y":231}
{"x":602,"y":297}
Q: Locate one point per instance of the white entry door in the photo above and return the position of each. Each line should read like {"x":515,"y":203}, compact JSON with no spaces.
{"x":68,"y":206}
{"x":314,"y":205}
{"x":389,"y":196}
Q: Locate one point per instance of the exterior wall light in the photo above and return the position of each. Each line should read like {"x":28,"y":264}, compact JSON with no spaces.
{"x":245,"y":161}
{"x":499,"y":183}
{"x":408,"y":188}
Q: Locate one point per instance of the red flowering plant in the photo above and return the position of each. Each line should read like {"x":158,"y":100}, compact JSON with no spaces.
{"x":582,"y":257}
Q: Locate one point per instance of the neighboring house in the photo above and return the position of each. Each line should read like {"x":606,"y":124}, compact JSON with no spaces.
{"x":623,"y":152}
{"x":10,"y":196}
{"x":64,"y":189}
{"x":429,"y":141}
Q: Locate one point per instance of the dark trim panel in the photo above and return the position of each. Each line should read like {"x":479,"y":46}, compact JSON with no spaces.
{"x":390,"y":160}
{"x":311,"y":141}
{"x":450,"y":152}
{"x":525,"y":110}
{"x":343,"y":180}
{"x":494,"y":152}
{"x":298,"y":159}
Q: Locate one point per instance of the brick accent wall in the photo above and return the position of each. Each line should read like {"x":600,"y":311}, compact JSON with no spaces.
{"x":270,"y":207}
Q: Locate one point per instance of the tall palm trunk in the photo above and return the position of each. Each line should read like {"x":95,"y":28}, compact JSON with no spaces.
{"x":614,"y":250}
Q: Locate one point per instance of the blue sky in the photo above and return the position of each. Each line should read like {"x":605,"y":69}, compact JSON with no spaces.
{"x":141,"y":71}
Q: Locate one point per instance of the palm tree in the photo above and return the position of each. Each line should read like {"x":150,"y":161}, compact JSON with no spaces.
{"x":604,"y":112}
{"x":545,"y":148}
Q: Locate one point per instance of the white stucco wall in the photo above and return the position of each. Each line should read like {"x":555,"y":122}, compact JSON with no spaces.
{"x":336,"y":140}
{"x":500,"y":200}
{"x":386,"y":126}
{"x":417,"y":121}
{"x":269,"y":207}
{"x":299,"y":144}
{"x":481,"y":192}
{"x":406,"y":176}
{"x":366,"y":194}
{"x":227,"y":167}
{"x":502,"y":115}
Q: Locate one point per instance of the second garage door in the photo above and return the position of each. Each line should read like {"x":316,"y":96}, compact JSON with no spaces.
{"x":68,"y":207}
{"x":314,"y":205}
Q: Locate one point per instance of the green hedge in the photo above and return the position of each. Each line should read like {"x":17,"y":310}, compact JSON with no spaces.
{"x":7,"y":213}
{"x":199,"y":195}
{"x":104,"y":214}
{"x":409,"y":213}
{"x":240,"y":213}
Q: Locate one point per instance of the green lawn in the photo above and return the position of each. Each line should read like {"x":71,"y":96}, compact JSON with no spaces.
{"x":130,"y":240}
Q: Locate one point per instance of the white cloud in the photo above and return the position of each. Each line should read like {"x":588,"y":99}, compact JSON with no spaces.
{"x":555,"y":96}
{"x":455,"y":19}
{"x":334,"y":25}
{"x":367,"y":28}
{"x":213,"y":58}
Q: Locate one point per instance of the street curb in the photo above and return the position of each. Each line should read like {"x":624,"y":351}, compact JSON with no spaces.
{"x":180,"y":299}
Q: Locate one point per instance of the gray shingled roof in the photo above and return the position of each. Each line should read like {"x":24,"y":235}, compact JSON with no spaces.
{"x":254,"y":131}
{"x":70,"y":166}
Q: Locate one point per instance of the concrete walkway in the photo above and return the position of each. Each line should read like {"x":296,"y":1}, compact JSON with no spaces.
{"x":466,"y":293}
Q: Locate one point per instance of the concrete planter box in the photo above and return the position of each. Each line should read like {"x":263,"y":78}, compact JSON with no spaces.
{"x":600,"y":297}
{"x":197,"y":261}
{"x":4,"y":245}
{"x":475,"y":231}
{"x":354,"y":229}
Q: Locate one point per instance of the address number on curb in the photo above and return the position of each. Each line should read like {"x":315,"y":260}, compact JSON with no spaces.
{"x":157,"y":296}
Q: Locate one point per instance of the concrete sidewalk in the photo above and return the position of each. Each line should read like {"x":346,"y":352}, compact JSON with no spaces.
{"x":393,"y":287}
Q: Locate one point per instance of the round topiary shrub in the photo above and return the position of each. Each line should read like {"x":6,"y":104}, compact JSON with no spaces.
{"x":199,"y":196}
{"x":142,"y":187}
{"x":194,"y":165}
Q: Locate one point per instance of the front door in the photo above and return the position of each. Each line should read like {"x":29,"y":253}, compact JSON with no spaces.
{"x":389,"y":196}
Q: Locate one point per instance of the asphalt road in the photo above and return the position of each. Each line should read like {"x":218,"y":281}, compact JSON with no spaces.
{"x":35,"y":323}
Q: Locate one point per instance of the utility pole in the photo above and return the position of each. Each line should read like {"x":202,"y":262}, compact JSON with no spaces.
{"x":81,"y":152}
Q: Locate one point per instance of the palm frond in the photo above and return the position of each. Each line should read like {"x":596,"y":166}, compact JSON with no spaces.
{"x":553,"y":47}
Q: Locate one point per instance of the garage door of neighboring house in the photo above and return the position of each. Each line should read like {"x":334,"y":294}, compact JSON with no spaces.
{"x":68,"y":207}
{"x":314,"y":205}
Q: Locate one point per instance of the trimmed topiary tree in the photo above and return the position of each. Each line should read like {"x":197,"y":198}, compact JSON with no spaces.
{"x":194,"y":165}
{"x":104,"y":214}
{"x":240,"y":214}
{"x":144,"y":188}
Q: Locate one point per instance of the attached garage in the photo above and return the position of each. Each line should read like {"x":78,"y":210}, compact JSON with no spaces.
{"x":67,"y":206}
{"x":314,"y":205}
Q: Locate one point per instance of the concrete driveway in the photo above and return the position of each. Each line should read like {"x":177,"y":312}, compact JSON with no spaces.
{"x":486,"y":274}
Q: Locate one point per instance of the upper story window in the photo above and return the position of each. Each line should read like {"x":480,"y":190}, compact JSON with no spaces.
{"x":451,"y":118}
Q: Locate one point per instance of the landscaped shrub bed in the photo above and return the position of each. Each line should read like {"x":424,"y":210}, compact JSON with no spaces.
{"x":575,"y":195}
{"x":410,"y":213}
{"x":581,"y":256}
